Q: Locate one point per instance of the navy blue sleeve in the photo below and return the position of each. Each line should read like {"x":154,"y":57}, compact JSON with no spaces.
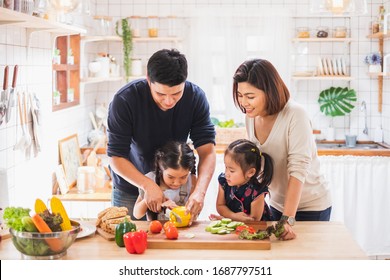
{"x":119,"y":127}
{"x":202,"y":130}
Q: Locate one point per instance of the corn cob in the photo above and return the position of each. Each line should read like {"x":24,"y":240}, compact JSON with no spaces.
{"x":58,"y":208}
{"x":40,"y":206}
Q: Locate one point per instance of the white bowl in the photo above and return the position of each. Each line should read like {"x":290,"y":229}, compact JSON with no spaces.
{"x":94,"y":67}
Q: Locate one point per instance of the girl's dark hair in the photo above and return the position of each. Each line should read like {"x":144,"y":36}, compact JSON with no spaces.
{"x":174,"y":155}
{"x":167,"y":67}
{"x":261,"y":74}
{"x":246,"y":154}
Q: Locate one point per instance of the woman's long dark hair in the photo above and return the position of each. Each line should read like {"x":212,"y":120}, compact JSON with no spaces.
{"x":174,"y":155}
{"x":246,"y":154}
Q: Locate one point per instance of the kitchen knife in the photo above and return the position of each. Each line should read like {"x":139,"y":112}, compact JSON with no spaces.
{"x":3,"y":96}
{"x":11,"y":97}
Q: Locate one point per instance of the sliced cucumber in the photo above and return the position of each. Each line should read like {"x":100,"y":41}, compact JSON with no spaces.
{"x":226,"y":220}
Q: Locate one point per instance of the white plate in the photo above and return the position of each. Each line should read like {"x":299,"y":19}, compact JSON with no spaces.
{"x":341,"y":72}
{"x":335,"y":68}
{"x":325,"y":66}
{"x":320,"y":68}
{"x":330,"y":67}
{"x":344,"y":66}
{"x":86,"y":230}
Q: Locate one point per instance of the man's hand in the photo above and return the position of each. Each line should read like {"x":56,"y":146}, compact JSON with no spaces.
{"x":154,"y":197}
{"x":195,"y":204}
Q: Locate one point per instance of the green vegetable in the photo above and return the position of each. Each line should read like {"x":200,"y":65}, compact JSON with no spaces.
{"x":54,"y":221}
{"x":29,"y":224}
{"x":121,"y":229}
{"x":13,"y":217}
{"x":223,"y":226}
{"x":31,"y":247}
{"x":276,"y":229}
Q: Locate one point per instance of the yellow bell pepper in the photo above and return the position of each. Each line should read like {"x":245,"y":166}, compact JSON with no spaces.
{"x":180,"y":211}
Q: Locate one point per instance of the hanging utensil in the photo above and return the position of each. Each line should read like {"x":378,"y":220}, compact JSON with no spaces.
{"x":3,"y":96}
{"x":11,"y":96}
{"x":20,"y":145}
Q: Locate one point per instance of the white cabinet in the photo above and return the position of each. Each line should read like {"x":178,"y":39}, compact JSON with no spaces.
{"x":360,"y":195}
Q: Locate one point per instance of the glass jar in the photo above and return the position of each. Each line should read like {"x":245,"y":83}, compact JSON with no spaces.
{"x":340,"y":32}
{"x":172,"y":26}
{"x":135,"y":25}
{"x":322,"y":32}
{"x":153,"y":26}
{"x":8,"y":4}
{"x":303,"y":32}
{"x":136,"y":67}
{"x":102,"y":25}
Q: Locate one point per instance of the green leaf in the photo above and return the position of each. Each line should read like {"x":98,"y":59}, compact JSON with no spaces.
{"x":337,"y":101}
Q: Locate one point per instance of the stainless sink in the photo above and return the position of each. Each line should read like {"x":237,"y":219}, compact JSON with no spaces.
{"x":359,"y":146}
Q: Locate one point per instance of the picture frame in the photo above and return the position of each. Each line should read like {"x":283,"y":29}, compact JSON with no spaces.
{"x":70,"y":156}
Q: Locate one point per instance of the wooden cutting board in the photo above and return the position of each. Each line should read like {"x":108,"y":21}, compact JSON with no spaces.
{"x":207,"y":240}
{"x":105,"y":235}
{"x":201,"y":238}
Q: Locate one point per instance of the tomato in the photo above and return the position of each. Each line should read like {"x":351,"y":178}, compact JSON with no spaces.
{"x":245,"y":227}
{"x":171,"y":232}
{"x":168,"y":224}
{"x":155,"y":226}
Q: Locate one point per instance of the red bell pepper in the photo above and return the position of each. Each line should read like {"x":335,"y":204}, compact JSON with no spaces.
{"x":135,"y":241}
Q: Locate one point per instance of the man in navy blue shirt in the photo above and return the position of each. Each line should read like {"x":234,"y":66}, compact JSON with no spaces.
{"x":147,"y":113}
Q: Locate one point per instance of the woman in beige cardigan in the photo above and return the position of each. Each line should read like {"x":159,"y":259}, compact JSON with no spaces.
{"x":281,"y":128}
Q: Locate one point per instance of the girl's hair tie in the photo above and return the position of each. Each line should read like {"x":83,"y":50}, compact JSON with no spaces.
{"x":253,"y":150}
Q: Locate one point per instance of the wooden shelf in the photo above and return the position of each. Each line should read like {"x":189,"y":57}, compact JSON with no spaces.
{"x":322,"y":40}
{"x":324,"y":78}
{"x":92,"y":80}
{"x":379,"y":35}
{"x":66,"y":67}
{"x":10,"y":17}
{"x":65,"y":105}
{"x":102,"y":194}
{"x":114,"y":38}
{"x":67,"y":76}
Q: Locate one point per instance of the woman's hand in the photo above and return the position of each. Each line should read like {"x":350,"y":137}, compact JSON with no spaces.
{"x":288,"y":233}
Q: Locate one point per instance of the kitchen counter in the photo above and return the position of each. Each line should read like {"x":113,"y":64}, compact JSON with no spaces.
{"x":316,"y":240}
{"x":363,"y":148}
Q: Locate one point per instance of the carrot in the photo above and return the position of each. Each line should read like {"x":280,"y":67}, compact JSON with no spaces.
{"x":54,"y":244}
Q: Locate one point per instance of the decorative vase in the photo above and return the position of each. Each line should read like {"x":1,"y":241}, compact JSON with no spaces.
{"x":375,"y":68}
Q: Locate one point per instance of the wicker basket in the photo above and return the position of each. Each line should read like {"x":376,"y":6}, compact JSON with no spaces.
{"x":225,"y":136}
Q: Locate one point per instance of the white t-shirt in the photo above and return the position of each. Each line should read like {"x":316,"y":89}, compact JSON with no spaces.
{"x":294,"y":152}
{"x":179,"y":196}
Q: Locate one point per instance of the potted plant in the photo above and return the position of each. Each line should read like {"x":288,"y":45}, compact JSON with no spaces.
{"x":56,"y":97}
{"x":70,"y":57}
{"x":127,"y":39}
{"x":57,"y":56}
{"x":336,"y":101}
{"x":374,"y":60}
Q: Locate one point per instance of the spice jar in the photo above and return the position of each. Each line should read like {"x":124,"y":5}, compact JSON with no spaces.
{"x":303,"y":32}
{"x":153,"y":26}
{"x":172,"y":26}
{"x":135,"y":25}
{"x":340,"y":32}
{"x":322,"y":32}
{"x":103,"y":25}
